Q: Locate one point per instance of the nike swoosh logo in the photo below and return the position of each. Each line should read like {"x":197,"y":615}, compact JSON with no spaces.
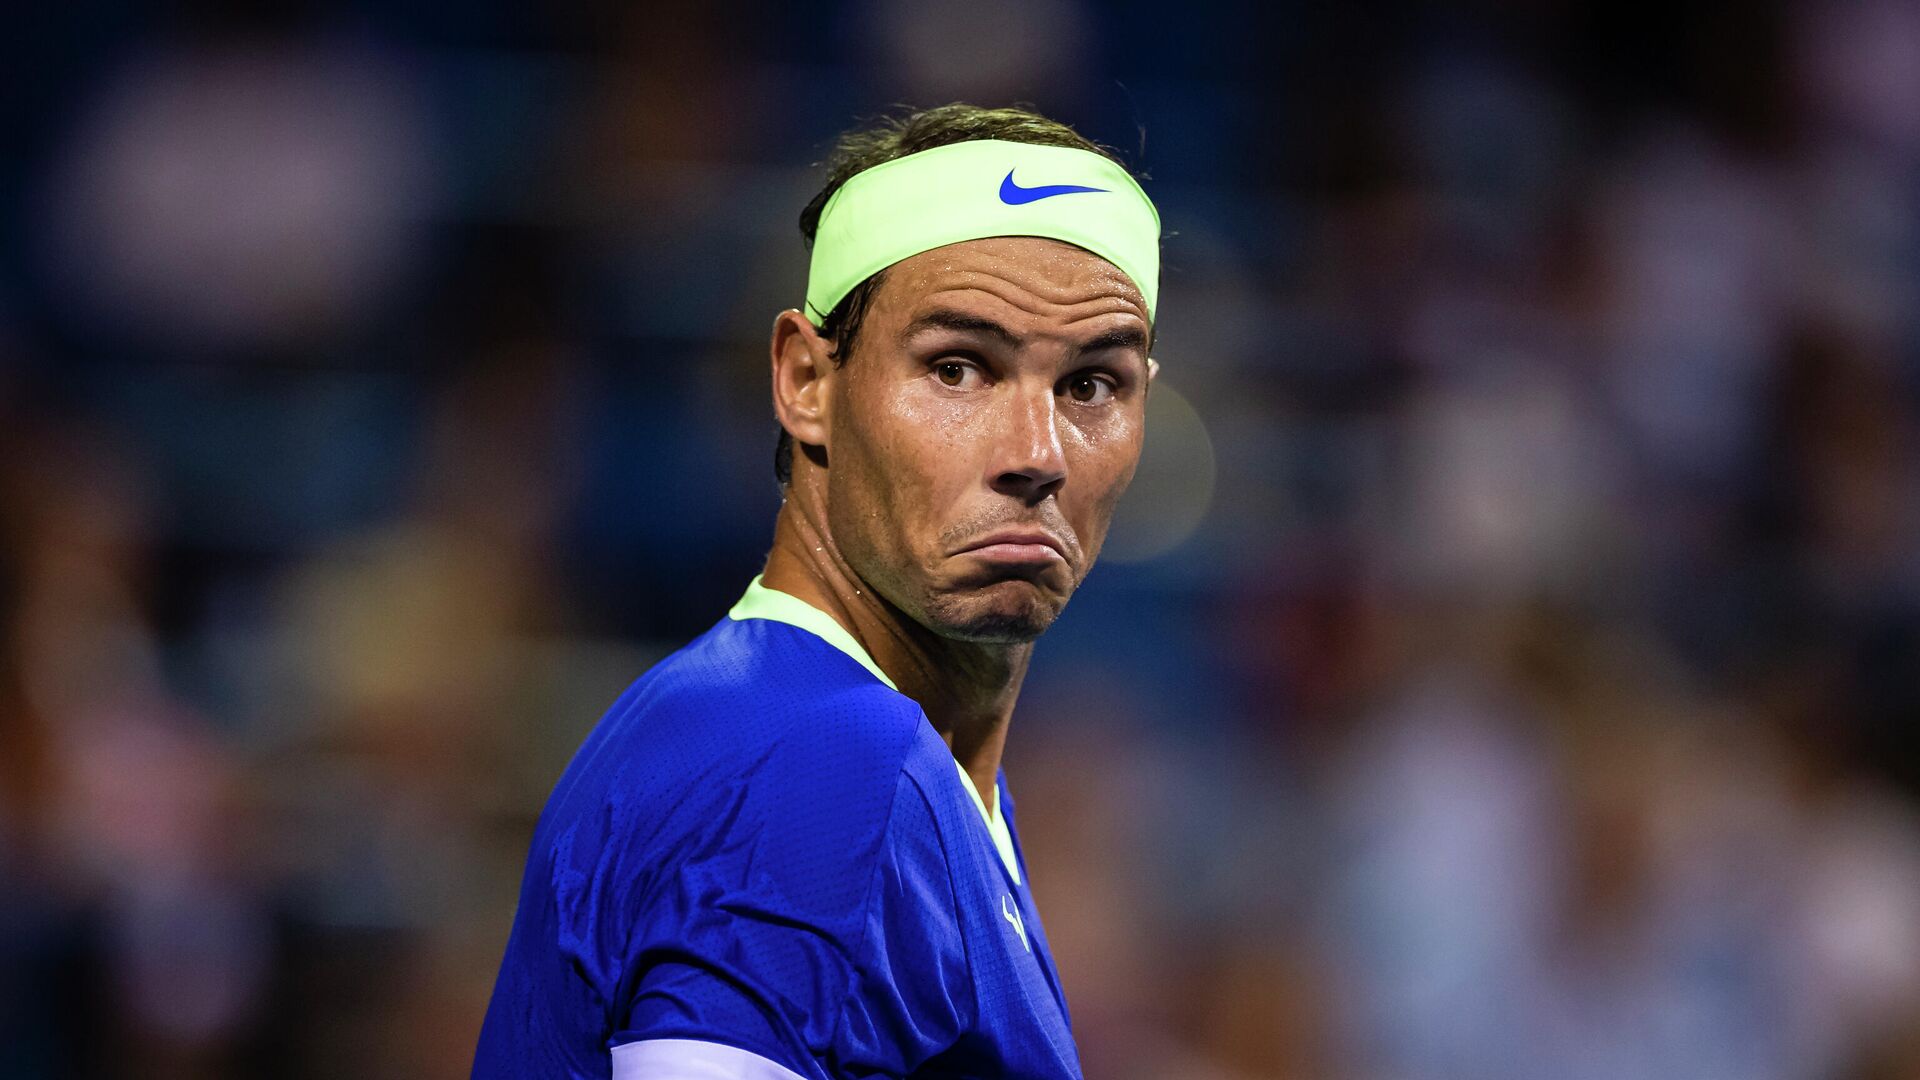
{"x":1012,"y":916}
{"x":1014,"y":195}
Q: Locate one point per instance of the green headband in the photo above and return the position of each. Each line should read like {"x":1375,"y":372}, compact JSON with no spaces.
{"x":970,"y":190}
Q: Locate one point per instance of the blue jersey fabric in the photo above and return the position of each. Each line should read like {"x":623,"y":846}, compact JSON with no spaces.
{"x":763,"y":845}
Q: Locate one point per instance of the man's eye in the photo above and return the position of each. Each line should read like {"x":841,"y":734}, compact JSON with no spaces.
{"x":1090,"y":389}
{"x":951,"y":372}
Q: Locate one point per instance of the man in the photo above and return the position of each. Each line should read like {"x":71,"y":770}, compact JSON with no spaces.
{"x":788,"y":851}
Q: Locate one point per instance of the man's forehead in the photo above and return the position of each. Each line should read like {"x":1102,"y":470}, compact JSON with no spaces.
{"x":1030,"y":272}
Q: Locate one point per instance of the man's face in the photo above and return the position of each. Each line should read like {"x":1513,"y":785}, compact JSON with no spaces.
{"x":990,"y":415}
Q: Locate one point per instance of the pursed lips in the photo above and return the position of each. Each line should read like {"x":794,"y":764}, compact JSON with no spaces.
{"x":1022,"y":545}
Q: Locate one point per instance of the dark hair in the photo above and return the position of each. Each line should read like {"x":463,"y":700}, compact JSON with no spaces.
{"x":896,"y":137}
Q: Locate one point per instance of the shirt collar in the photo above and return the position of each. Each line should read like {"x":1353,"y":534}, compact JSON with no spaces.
{"x":761,"y":602}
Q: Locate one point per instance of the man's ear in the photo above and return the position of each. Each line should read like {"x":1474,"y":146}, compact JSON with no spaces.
{"x":800,"y":366}
{"x":1153,"y":371}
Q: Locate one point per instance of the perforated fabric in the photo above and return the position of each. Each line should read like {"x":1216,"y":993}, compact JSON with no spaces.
{"x":763,"y":846}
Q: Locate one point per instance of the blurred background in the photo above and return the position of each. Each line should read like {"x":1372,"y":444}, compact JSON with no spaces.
{"x":1506,"y":666}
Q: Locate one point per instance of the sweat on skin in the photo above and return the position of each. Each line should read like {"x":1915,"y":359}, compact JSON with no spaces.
{"x":997,"y":385}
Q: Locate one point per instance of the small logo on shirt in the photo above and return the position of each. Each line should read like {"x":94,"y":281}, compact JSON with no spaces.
{"x":1012,"y":915}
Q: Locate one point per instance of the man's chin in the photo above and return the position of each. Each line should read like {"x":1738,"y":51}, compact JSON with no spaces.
{"x":1006,"y":613}
{"x":998,"y":629}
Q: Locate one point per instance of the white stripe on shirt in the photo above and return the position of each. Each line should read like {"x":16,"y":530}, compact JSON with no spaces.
{"x":690,"y":1059}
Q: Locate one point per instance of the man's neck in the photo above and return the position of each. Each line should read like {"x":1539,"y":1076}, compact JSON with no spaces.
{"x":967,"y":689}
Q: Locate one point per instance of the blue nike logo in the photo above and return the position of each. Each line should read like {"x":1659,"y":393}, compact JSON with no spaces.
{"x":1014,"y":195}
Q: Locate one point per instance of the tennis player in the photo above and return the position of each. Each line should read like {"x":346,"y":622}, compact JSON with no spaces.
{"x":788,"y":850}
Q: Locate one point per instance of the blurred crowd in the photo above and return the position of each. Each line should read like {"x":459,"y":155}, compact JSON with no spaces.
{"x":1507,"y":665}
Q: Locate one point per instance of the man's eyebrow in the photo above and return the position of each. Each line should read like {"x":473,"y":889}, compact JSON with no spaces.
{"x":943,"y":319}
{"x":1125,"y":337}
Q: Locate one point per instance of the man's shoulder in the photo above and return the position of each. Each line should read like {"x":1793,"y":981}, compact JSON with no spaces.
{"x":755,"y":722}
{"x":731,"y":813}
{"x":754,"y":677}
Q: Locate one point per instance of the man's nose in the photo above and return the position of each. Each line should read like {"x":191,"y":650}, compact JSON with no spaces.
{"x":1030,"y":464}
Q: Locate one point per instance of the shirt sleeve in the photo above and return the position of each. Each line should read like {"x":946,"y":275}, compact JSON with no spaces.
{"x":688,"y":1059}
{"x":828,"y":960}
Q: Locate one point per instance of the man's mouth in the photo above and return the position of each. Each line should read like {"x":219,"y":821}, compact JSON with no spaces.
{"x":1034,"y":547}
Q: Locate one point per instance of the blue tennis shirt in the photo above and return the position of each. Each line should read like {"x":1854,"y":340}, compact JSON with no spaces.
{"x":764,"y":855}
